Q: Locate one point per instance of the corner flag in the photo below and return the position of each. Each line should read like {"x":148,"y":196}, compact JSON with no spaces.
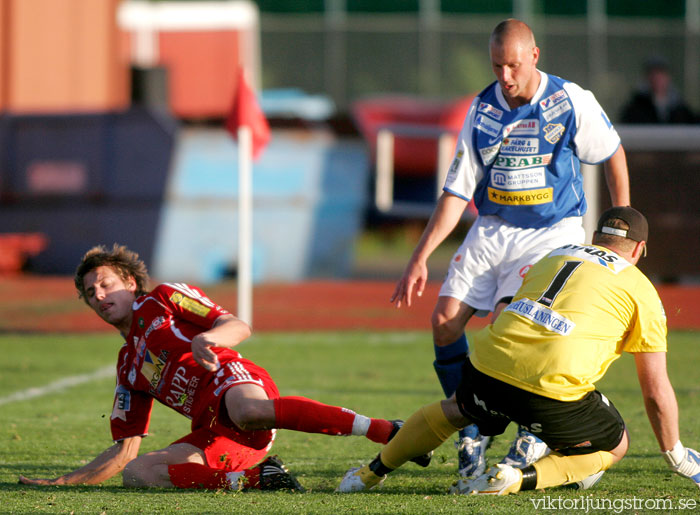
{"x":245,"y":112}
{"x":248,"y":125}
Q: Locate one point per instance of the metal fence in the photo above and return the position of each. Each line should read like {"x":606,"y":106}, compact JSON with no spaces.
{"x":348,"y":54}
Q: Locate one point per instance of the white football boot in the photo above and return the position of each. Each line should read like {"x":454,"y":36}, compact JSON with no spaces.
{"x":498,"y":480}
{"x":587,"y":482}
{"x":358,"y":479}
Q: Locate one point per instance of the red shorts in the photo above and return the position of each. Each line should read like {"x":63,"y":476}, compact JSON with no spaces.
{"x":222,"y":452}
{"x":224,"y":445}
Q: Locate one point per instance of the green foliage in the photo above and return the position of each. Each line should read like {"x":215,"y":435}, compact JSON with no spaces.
{"x":381,"y":374}
{"x":469,"y":70}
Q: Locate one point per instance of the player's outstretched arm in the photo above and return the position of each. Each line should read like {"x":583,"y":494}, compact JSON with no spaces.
{"x":662,"y":410}
{"x":444,"y":219}
{"x":108,"y":464}
{"x":228,"y":331}
{"x":617,"y":178}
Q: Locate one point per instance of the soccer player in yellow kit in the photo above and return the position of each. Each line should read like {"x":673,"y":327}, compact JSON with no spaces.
{"x":578,"y":309}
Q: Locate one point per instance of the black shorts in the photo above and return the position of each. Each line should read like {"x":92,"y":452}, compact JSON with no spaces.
{"x":577,"y":427}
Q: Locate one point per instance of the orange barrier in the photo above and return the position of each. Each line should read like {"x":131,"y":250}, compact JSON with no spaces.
{"x":16,"y":248}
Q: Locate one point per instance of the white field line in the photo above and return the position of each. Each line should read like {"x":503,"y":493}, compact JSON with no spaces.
{"x":59,"y":385}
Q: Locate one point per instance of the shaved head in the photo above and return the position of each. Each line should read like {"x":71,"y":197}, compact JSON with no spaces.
{"x":512,"y":31}
{"x":514,"y":58}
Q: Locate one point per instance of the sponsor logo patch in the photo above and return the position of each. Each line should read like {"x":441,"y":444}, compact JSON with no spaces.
{"x":518,"y":179}
{"x":542,"y":315}
{"x":122,"y":403}
{"x":521,"y":198}
{"x":189,"y":304}
{"x":519,"y":128}
{"x":553,"y":99}
{"x":520,"y":145}
{"x":525,"y":127}
{"x":155,"y":324}
{"x":152,"y":367}
{"x":487,"y":125}
{"x":182,"y":390}
{"x":488,"y":154}
{"x":553,"y":132}
{"x":192,"y":293}
{"x":492,"y":111}
{"x":521,"y":162}
{"x":556,"y":111}
{"x":455,"y":165}
{"x":605,"y":258}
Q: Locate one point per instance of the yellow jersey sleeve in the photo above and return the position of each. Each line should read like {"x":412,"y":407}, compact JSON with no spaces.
{"x":577,"y":310}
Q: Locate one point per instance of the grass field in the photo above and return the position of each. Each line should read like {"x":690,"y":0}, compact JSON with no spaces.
{"x":377,"y":374}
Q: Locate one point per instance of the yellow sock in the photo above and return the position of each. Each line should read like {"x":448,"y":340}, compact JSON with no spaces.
{"x":424,"y":431}
{"x":555,"y":469}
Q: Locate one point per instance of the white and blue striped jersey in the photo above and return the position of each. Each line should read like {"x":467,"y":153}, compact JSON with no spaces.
{"x":523,"y":164}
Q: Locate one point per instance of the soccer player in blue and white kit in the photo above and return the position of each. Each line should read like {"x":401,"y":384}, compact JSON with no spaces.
{"x":517,"y":159}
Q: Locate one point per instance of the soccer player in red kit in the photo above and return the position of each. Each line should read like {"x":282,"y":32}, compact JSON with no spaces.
{"x":178,"y":350}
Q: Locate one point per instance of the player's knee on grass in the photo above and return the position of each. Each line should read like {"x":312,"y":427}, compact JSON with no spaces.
{"x":141,"y":473}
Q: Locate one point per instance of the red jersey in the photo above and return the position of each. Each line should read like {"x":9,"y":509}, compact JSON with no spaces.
{"x":156,"y":361}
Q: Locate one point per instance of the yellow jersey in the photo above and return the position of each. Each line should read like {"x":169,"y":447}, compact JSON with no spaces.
{"x":577,"y":310}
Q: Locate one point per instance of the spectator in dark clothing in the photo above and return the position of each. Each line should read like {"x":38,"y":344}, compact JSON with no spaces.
{"x":657,"y":100}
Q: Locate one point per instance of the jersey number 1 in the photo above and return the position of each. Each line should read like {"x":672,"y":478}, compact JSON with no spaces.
{"x":557,"y":284}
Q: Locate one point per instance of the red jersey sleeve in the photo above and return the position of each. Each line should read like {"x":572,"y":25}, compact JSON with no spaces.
{"x":131,"y":413}
{"x":189,"y":303}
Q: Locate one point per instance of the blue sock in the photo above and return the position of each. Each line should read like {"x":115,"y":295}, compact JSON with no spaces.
{"x":448,"y":364}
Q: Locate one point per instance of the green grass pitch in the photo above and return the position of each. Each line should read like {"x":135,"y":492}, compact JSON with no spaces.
{"x":375,"y":373}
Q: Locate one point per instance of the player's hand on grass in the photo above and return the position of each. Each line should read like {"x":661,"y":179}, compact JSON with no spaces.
{"x":412,"y":281}
{"x":39,"y":482}
{"x":203,"y":354}
{"x":684,"y":461}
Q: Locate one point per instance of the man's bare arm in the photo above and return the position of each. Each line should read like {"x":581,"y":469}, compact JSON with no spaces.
{"x":617,"y":178}
{"x":108,"y":464}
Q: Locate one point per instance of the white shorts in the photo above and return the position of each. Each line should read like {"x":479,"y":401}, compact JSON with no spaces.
{"x":495,"y":256}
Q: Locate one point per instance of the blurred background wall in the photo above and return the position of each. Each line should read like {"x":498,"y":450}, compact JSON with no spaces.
{"x":111,"y":118}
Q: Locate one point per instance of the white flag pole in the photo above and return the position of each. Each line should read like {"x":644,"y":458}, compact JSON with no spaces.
{"x":245,"y":224}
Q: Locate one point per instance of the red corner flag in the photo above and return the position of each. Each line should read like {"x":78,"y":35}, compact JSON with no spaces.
{"x":246,"y":112}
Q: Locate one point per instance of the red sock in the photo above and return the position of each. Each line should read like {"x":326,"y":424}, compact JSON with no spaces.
{"x":196,"y":476}
{"x":379,"y":430}
{"x":309,"y":416}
